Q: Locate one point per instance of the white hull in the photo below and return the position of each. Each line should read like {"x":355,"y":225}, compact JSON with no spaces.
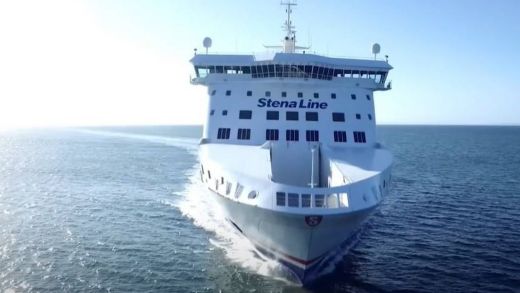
{"x":283,"y":236}
{"x":302,"y":239}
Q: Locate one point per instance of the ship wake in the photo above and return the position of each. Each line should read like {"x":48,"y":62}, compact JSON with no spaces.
{"x":199,"y":205}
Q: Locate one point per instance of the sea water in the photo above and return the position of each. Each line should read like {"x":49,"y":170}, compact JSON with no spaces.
{"x":121,"y":209}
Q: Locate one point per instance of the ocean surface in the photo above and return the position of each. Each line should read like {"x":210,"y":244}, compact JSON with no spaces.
{"x":121,"y":209}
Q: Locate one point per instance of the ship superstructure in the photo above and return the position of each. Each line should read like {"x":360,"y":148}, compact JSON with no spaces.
{"x":289,"y":148}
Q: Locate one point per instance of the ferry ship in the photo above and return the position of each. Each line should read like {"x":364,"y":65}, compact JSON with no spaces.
{"x":289,"y":148}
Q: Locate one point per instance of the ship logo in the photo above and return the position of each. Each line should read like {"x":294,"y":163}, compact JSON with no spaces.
{"x":313,"y":221}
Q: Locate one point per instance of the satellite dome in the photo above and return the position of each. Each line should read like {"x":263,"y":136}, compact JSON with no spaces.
{"x":207,"y":42}
{"x":376,"y":48}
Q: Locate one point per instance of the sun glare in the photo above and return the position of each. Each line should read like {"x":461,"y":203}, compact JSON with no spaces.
{"x":60,"y":67}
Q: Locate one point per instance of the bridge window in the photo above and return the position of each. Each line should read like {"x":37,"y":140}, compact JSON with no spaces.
{"x":291,"y":116}
{"x":245,"y":114}
{"x":359,"y":137}
{"x":311,"y":116}
{"x":312,"y":135}
{"x":300,"y":95}
{"x":333,"y":95}
{"x":249,"y":93}
{"x":271,"y":134}
{"x":368,"y":97}
{"x":293,"y":199}
{"x":228,"y":93}
{"x":338,"y":117}
{"x":353,"y":97}
{"x":284,"y":94}
{"x":292,"y":135}
{"x":267,"y":93}
{"x":244,"y":133}
{"x":306,"y":200}
{"x":316,"y":95}
{"x":223,"y":133}
{"x":280,"y":199}
{"x":340,"y":136}
{"x":319,"y":200}
{"x":212,"y":112}
{"x":213,"y":92}
{"x":369,"y":117}
{"x":224,"y":112}
{"x":272,"y":115}
{"x":358,"y":116}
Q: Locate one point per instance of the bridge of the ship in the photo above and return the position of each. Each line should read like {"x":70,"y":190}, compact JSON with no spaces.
{"x":295,"y":65}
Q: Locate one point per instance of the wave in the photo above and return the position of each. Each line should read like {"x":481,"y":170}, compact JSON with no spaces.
{"x":189,"y":144}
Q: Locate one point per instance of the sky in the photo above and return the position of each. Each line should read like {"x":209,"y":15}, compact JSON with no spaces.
{"x":126,"y":62}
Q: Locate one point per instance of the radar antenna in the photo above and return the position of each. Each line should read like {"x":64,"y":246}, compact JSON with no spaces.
{"x":289,"y":41}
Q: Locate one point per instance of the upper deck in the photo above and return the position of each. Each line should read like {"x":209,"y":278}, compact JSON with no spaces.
{"x":288,"y":65}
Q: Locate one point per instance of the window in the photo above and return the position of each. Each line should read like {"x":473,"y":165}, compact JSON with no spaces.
{"x":316,"y":95}
{"x":340,"y":136}
{"x":252,"y":194}
{"x":311,"y":116}
{"x":343,"y":200}
{"x":306,"y":200}
{"x":319,"y":200}
{"x":238,"y":190}
{"x":228,"y":93}
{"x":333,"y":96}
{"x":244,"y":133}
{"x":292,"y":135}
{"x":368,"y":97}
{"x":300,"y":95}
{"x":212,"y":112}
{"x":223,"y":133}
{"x":291,"y":116}
{"x":353,"y":97}
{"x":284,"y":94}
{"x":293,"y":199}
{"x":272,"y":115}
{"x":267,"y":93}
{"x":249,"y":93}
{"x":338,"y":117}
{"x":245,"y":114}
{"x":358,"y":116}
{"x":213,"y":92}
{"x":271,"y":134}
{"x":359,"y":137}
{"x":332,"y":200}
{"x":280,"y":199}
{"x":369,"y":117}
{"x":224,"y":113}
{"x":312,"y":135}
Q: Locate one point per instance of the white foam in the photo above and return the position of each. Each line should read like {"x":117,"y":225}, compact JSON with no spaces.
{"x":198,"y":204}
{"x":189,"y":144}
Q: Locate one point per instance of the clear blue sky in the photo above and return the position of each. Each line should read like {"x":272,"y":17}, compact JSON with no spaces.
{"x":456,"y":62}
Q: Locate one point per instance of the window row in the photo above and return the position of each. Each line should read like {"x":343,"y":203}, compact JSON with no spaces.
{"x":291,"y":115}
{"x":291,"y":135}
{"x":307,"y":200}
{"x":294,"y":71}
{"x":283,"y":94}
{"x":290,"y":199}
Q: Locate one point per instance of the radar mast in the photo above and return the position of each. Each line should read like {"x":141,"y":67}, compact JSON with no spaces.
{"x":289,"y":41}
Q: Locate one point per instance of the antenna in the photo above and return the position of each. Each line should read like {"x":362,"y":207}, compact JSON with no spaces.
{"x":289,"y":41}
{"x":376,"y":48}
{"x":288,"y":24}
{"x":207,"y":43}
